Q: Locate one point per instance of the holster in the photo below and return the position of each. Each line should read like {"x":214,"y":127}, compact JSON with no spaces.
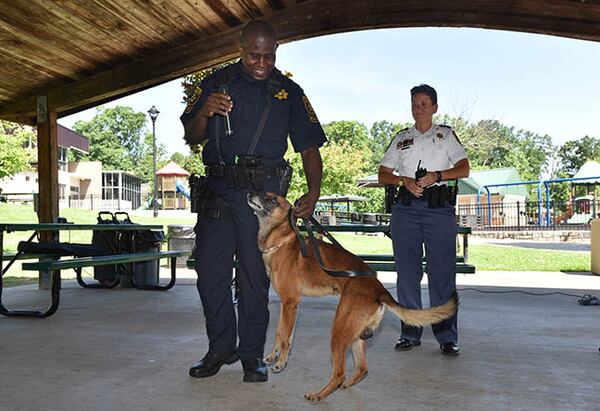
{"x":197,"y":185}
{"x":205,"y":202}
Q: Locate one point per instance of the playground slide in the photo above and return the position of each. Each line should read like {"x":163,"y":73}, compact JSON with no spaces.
{"x":181,"y":189}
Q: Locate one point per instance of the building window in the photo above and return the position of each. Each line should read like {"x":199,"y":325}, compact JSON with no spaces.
{"x":62,"y":158}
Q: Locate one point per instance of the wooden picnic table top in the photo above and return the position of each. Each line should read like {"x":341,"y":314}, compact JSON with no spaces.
{"x":10,"y":227}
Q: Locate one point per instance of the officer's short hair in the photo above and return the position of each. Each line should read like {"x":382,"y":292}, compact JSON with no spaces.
{"x":424,"y":89}
{"x":258,"y":27}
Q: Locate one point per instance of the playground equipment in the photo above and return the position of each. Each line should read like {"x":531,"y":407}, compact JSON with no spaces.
{"x":172,"y":187}
{"x":544,"y":216}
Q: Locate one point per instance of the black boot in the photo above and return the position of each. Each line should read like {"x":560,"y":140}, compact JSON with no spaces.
{"x":212,"y":363}
{"x":255,"y":370}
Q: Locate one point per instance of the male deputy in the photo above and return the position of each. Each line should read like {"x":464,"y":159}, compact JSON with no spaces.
{"x":243,"y":118}
{"x":424,"y":214}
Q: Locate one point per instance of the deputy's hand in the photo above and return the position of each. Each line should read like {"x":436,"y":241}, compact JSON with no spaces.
{"x":428,"y":179}
{"x":411,"y":185}
{"x":216,"y":103}
{"x":305,"y":205}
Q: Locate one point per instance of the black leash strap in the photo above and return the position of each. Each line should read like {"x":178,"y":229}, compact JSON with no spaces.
{"x":261,"y":125}
{"x":308,"y":223}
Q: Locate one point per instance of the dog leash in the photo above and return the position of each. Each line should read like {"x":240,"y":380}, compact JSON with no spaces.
{"x":309,"y":223}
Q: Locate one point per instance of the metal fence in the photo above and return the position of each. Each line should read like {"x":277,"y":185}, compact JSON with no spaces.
{"x":529,"y":215}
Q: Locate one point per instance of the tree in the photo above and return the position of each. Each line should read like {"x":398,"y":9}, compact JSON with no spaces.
{"x":14,"y":157}
{"x":352,"y":132}
{"x":144,"y":168}
{"x":192,"y":163}
{"x":116,"y":137}
{"x":381,"y":135}
{"x":574,"y":154}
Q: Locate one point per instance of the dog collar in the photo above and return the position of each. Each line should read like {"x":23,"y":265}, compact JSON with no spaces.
{"x":274,"y":248}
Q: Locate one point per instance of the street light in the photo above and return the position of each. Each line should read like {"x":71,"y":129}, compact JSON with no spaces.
{"x":153,"y":113}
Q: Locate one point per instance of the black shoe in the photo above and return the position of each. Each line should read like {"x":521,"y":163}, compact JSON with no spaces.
{"x":449,"y":349}
{"x":404,"y":344}
{"x":212,"y":363}
{"x":255,"y":370}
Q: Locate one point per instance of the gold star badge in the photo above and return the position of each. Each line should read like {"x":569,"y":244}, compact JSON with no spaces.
{"x":281,"y":94}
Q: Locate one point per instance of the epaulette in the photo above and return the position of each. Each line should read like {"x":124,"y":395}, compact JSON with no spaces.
{"x":445,"y":126}
{"x":404,"y":129}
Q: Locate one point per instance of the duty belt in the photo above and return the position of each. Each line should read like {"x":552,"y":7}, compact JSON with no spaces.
{"x":219,"y":170}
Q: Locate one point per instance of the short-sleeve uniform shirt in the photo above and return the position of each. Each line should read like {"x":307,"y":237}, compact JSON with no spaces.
{"x":438,"y":149}
{"x":290,"y":115}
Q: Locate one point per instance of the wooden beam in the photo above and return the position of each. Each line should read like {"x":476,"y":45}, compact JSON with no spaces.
{"x":47,"y":136}
{"x":310,"y":19}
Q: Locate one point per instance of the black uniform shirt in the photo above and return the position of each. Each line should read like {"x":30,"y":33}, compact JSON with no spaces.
{"x":290,"y":114}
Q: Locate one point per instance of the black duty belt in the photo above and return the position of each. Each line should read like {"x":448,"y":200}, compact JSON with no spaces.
{"x":218,"y":170}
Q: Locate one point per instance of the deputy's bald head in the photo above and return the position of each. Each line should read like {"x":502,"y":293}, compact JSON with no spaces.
{"x":256,"y":29}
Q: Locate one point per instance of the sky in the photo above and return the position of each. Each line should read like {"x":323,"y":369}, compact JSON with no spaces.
{"x":544,"y":84}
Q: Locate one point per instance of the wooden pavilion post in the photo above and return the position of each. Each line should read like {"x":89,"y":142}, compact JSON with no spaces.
{"x":47,"y":139}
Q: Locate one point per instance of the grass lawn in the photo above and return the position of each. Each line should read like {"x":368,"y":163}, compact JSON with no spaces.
{"x":486,"y":257}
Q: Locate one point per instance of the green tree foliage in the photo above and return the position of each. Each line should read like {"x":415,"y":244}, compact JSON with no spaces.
{"x":353,"y":133}
{"x":574,"y":154}
{"x":343,"y":165}
{"x":144,"y":168}
{"x":192,"y":163}
{"x":491,"y":144}
{"x":14,"y":156}
{"x":117,"y":138}
{"x":191,"y":83}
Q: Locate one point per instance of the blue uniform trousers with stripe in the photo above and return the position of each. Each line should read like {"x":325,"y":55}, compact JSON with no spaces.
{"x":217,"y":241}
{"x":414,"y":226}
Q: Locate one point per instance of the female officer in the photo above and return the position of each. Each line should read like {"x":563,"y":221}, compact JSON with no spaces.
{"x":424,"y":213}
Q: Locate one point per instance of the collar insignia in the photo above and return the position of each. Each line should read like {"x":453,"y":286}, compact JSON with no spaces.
{"x":281,"y":95}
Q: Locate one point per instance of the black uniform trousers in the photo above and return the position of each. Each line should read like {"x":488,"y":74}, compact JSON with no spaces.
{"x":413,"y":226}
{"x":217,"y":241}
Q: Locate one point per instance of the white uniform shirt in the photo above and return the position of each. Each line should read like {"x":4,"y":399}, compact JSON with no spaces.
{"x":438,"y":149}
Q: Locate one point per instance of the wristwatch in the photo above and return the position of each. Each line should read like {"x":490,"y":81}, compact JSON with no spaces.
{"x":439,"y":176}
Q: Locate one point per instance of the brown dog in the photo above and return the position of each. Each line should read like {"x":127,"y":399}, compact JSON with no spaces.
{"x":363,"y":300}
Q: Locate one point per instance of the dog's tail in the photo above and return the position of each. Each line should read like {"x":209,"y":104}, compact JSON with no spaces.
{"x":421,"y":317}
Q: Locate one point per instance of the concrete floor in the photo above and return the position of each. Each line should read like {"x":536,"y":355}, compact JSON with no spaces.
{"x":124,"y":349}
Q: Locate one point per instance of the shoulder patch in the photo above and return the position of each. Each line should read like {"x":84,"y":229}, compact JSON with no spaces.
{"x":312,"y":116}
{"x":192,"y":101}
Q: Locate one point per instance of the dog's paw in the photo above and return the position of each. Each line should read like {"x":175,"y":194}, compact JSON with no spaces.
{"x":279,"y":367}
{"x":271,"y":358}
{"x":313,"y":396}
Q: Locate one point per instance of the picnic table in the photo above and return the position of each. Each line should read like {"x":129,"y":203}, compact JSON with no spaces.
{"x":48,"y":266}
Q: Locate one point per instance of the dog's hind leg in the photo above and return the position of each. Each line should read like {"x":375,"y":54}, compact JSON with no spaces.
{"x":345,"y":330}
{"x":284,"y":335}
{"x":359,"y":350}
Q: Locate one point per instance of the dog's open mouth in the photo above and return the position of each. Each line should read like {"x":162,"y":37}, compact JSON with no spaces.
{"x":255,"y":202}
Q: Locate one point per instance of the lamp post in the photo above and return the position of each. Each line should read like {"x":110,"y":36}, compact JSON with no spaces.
{"x":153,"y":113}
